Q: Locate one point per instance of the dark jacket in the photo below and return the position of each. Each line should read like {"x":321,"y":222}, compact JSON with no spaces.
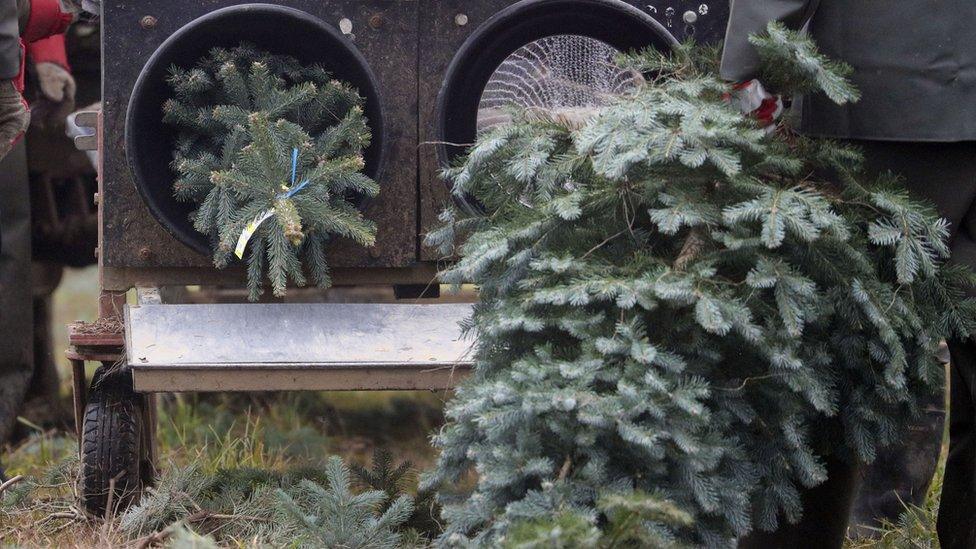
{"x":914,"y":62}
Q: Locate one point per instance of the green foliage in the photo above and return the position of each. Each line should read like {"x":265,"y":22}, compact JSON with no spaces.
{"x":303,"y":507}
{"x":339,"y":518}
{"x":241,"y":113}
{"x":675,"y":303}
{"x":565,"y":530}
{"x":21,"y":495}
{"x":394,"y":481}
{"x":795,"y":67}
{"x":182,"y":537}
{"x":630,"y":521}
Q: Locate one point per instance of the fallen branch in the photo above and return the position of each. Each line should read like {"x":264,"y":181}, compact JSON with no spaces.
{"x":564,"y":470}
{"x":156,"y":538}
{"x":10,"y":483}
{"x":207,"y":515}
{"x":693,"y":247}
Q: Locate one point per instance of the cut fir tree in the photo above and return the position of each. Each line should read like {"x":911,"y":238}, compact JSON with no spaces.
{"x":682,"y":315}
{"x":270,"y":152}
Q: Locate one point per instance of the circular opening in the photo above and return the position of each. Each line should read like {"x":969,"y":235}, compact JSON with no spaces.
{"x":565,"y":74}
{"x":149,"y":142}
{"x":571,"y":39}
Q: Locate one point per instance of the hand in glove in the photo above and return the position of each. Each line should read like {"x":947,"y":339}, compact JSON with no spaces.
{"x":753,"y":99}
{"x":89,"y":9}
{"x":14,"y":116}
{"x":57,"y":86}
{"x":57,"y":99}
{"x":22,"y":23}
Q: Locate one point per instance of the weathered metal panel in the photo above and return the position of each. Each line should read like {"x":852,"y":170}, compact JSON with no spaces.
{"x":121,"y":279}
{"x":441,"y":35}
{"x":338,"y":334}
{"x":312,"y":378}
{"x":133,"y":239}
{"x":408,"y":44}
{"x":263,"y":347}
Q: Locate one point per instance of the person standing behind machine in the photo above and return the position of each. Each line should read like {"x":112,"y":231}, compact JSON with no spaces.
{"x":24,"y":25}
{"x":915,"y":64}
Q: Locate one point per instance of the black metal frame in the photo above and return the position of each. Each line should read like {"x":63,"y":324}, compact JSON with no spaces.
{"x":412,"y":47}
{"x":148,"y":141}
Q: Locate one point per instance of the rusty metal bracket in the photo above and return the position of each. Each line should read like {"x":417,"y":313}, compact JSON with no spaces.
{"x":87,"y":119}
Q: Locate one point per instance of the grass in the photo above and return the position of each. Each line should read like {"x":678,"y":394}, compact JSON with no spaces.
{"x":916,"y":527}
{"x":275,"y":432}
{"x":217,"y":433}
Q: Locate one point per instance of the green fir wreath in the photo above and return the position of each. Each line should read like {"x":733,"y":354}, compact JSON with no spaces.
{"x":270,"y":152}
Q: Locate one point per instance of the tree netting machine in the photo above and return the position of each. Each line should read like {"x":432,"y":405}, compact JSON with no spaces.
{"x":433,"y":72}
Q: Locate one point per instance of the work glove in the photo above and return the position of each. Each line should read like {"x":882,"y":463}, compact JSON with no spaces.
{"x":752,"y":99}
{"x":14,"y":116}
{"x":82,"y":9}
{"x":57,"y":98}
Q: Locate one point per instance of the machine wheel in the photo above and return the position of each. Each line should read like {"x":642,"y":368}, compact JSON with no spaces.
{"x":111,"y":445}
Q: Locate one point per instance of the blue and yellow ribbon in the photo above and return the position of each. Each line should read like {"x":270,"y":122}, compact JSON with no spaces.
{"x":288,"y":192}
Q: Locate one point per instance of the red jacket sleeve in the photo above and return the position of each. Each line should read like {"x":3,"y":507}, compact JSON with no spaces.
{"x":46,"y":19}
{"x":49,"y":50}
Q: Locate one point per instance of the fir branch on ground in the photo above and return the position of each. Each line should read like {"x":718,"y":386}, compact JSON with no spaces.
{"x":395,"y":481}
{"x":228,"y":439}
{"x":304,"y":507}
{"x":674,"y":303}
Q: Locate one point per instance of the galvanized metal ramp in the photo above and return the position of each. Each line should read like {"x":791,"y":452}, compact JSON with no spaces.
{"x":295,"y":347}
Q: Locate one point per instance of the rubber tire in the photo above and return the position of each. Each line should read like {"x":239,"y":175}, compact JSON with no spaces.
{"x":111,"y":446}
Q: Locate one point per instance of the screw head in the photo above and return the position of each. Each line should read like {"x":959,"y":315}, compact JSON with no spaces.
{"x":690,"y":17}
{"x":461,"y":19}
{"x":148,"y":22}
{"x":145,"y":253}
{"x":376,"y":21}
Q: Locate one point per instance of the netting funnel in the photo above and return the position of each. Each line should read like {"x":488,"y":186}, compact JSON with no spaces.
{"x":564,"y":77}
{"x":554,"y":56}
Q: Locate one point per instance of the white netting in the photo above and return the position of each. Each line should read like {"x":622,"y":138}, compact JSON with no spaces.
{"x":564,"y":75}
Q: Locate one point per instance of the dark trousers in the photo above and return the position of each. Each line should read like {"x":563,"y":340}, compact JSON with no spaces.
{"x":944,"y":174}
{"x":16,"y":307}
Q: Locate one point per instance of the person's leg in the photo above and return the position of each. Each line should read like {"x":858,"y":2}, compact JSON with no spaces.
{"x":45,"y":383}
{"x":16,"y":309}
{"x":901,"y":474}
{"x":826,"y":511}
{"x":957,"y":510}
{"x":945,"y":174}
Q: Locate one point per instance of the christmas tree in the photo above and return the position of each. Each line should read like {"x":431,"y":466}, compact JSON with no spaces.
{"x":683,"y":312}
{"x":271,"y":153}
